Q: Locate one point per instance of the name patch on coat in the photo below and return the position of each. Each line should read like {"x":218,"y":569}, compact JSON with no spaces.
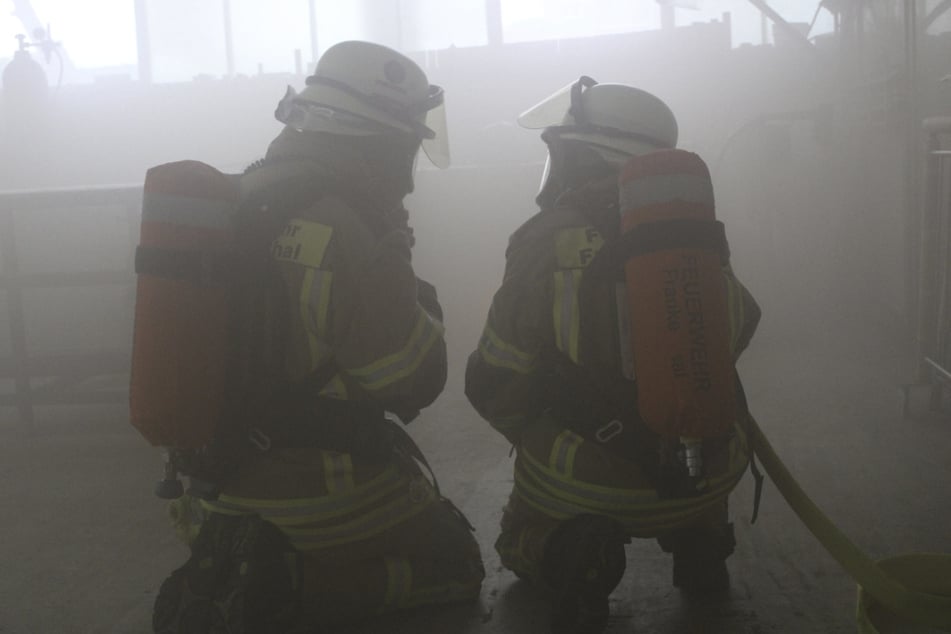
{"x":576,"y":247}
{"x":302,"y":242}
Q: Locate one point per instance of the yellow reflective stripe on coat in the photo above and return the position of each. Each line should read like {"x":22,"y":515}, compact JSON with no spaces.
{"x":646,"y":520}
{"x":394,"y":367}
{"x":338,"y":472}
{"x":561,"y":459}
{"x":399,"y":582}
{"x":333,"y":520}
{"x":365,"y":526}
{"x":299,"y":510}
{"x":304,"y":243}
{"x":336,"y":388}
{"x":641,"y":511}
{"x":567,"y":317}
{"x":574,"y":250}
{"x":500,"y":354}
{"x":314,"y":307}
{"x":612,"y":498}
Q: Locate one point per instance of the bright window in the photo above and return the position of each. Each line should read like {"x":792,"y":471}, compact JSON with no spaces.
{"x":553,"y":19}
{"x":94,"y":34}
{"x":9,"y":27}
{"x":187,"y":39}
{"x":437,"y":24}
{"x":188,"y":36}
{"x":528,"y":20}
{"x":266,"y":35}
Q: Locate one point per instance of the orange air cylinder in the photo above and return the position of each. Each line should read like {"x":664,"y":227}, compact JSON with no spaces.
{"x":180,"y":338}
{"x":676,"y":295}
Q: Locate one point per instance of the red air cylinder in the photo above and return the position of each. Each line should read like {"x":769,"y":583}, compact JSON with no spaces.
{"x":180,"y":339}
{"x":677,"y":296}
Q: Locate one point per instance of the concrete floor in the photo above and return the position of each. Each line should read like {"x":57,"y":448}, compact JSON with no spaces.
{"x":84,"y":545}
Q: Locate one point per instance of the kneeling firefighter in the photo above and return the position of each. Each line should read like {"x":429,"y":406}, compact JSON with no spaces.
{"x":307,"y":505}
{"x":607,"y":357}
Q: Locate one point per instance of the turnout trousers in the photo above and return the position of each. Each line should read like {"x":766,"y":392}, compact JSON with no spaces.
{"x":559,"y":475}
{"x":369,"y":539}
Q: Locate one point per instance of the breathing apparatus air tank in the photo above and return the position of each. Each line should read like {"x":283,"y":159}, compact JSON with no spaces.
{"x":180,"y":342}
{"x":677,"y":300}
{"x":25,"y":94}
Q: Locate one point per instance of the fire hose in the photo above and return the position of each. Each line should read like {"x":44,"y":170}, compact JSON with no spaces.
{"x":911,"y":588}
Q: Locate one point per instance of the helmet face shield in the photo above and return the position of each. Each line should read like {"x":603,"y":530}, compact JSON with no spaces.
{"x":313,"y":112}
{"x":549,"y":111}
{"x":563,"y":107}
{"x":436,"y":146}
{"x":302,"y":114}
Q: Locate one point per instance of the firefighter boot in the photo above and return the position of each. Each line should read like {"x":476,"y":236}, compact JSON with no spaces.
{"x":583,"y":562}
{"x":240,"y":579}
{"x":700,"y":559}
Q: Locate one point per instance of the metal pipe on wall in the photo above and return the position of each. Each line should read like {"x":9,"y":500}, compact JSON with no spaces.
{"x":229,"y":40}
{"x":312,"y":23}
{"x":143,"y":41}
{"x":493,"y":22}
{"x":913,"y":165}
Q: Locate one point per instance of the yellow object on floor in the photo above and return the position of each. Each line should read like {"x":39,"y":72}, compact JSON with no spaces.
{"x":906,"y":590}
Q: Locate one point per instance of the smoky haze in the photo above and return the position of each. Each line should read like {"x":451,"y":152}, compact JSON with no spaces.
{"x":814,"y":152}
{"x":806,"y":154}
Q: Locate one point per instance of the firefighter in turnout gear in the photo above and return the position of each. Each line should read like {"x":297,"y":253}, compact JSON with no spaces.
{"x":554,"y":372}
{"x":330,"y":517}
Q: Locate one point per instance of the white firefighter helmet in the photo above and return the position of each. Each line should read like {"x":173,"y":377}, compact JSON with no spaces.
{"x":610,"y":118}
{"x":362,"y":89}
{"x":615,"y":121}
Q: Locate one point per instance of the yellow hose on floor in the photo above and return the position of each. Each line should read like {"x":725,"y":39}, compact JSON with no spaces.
{"x":914,"y":588}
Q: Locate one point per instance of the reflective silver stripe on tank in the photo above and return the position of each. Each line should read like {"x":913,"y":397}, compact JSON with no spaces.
{"x":187,"y":211}
{"x":643,"y":192}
